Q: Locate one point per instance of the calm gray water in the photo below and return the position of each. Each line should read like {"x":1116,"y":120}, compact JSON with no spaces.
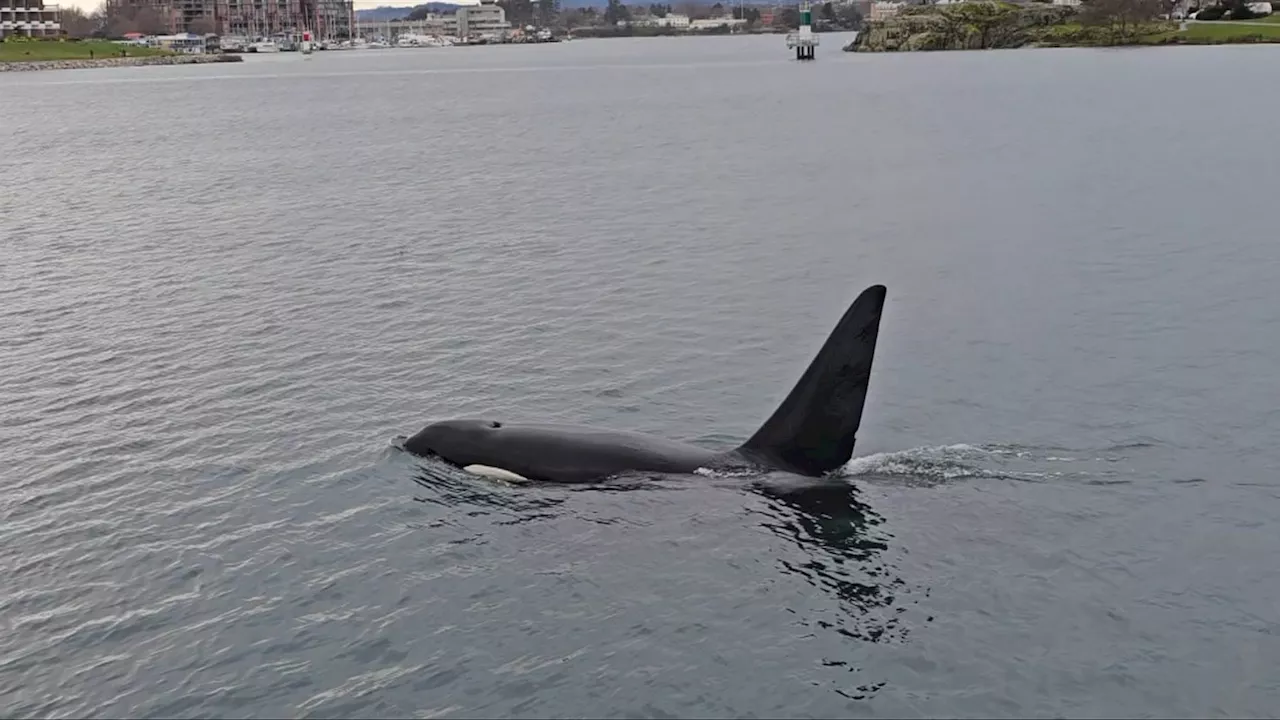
{"x":226,"y":289}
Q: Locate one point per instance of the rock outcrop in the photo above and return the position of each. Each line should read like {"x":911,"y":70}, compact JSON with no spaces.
{"x":962,"y":26}
{"x":116,"y":62}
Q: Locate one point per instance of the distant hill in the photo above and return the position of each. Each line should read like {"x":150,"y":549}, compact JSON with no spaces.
{"x":388,"y":12}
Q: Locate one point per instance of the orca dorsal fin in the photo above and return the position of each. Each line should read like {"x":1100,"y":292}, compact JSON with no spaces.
{"x":813,"y":430}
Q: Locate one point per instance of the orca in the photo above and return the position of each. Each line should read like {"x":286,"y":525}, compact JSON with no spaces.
{"x":810,"y":433}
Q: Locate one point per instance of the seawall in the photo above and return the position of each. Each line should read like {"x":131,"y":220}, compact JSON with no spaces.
{"x":83,"y":64}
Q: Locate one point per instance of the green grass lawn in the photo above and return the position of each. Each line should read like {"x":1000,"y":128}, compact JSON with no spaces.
{"x":25,"y":50}
{"x":1075,"y":34}
{"x":1232,"y":32}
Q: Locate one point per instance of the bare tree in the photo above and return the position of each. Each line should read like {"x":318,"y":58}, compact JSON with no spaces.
{"x":547,"y":11}
{"x":138,"y":17}
{"x":579,"y":17}
{"x":519,"y":12}
{"x":1122,"y":17}
{"x":150,"y":21}
{"x":692,"y":10}
{"x":203,"y":25}
{"x":616,"y":12}
{"x":76,"y":23}
{"x":118,"y":23}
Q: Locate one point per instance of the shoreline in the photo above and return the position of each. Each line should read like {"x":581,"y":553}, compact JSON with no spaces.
{"x":1000,"y":24}
{"x":1174,"y":41}
{"x":85,"y":63}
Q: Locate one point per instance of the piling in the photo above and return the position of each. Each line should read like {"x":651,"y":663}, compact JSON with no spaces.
{"x":804,"y":41}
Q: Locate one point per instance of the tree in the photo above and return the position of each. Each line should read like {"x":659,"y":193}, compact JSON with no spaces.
{"x":76,"y":24}
{"x":693,"y":10}
{"x":849,"y":17}
{"x":203,"y":25}
{"x":128,"y":17}
{"x":787,"y":18}
{"x":519,"y":12}
{"x":149,"y":21}
{"x":659,"y":10}
{"x":827,"y":12}
{"x":547,"y":11}
{"x":579,"y":17}
{"x":616,"y":12}
{"x":1121,"y":17}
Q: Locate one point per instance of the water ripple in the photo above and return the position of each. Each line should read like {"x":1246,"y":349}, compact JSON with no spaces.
{"x":224,"y":291}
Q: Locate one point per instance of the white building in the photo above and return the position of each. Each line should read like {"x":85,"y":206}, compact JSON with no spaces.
{"x":432,"y":24}
{"x":484,"y":19}
{"x":672,"y":20}
{"x":487,"y":18}
{"x":711,"y":23}
{"x":30,"y":18}
{"x":881,"y":10}
{"x":188,"y":43}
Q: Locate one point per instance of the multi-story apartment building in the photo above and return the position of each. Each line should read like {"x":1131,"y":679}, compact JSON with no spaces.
{"x":483,"y":19}
{"x":252,"y":18}
{"x":487,"y":18}
{"x":29,"y":18}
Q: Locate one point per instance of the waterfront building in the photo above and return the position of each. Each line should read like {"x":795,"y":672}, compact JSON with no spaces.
{"x":670,"y":20}
{"x":184,"y":43}
{"x":713,"y":23}
{"x":484,"y":19}
{"x":885,"y":9}
{"x":326,"y":19}
{"x":29,"y":18}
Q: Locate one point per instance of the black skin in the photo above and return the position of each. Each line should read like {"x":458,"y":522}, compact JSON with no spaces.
{"x":560,"y":453}
{"x":812,"y":431}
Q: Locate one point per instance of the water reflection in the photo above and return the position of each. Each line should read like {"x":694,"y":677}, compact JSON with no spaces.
{"x":460,"y":492}
{"x":842,"y":548}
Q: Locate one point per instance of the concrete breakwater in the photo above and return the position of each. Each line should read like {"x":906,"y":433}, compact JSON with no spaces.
{"x":84,"y":63}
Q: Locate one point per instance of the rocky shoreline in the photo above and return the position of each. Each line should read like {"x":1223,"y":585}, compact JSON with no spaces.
{"x":993,"y":24}
{"x":84,"y":64}
{"x":980,"y":25}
